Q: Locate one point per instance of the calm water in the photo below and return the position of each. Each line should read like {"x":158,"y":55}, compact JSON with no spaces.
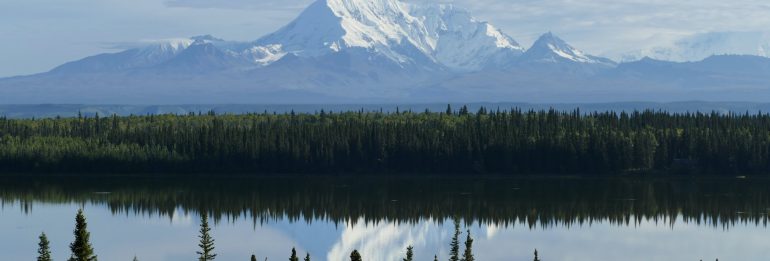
{"x":564,"y":218}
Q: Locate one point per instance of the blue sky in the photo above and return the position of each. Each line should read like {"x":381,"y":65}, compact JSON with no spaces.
{"x":40,"y":34}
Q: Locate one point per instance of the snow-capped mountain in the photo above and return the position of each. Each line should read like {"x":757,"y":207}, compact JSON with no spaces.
{"x":403,"y":33}
{"x":150,"y":55}
{"x":550,"y":49}
{"x":358,"y":51}
{"x":700,"y":46}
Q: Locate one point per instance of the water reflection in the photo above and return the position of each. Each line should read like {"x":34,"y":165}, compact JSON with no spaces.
{"x":566,"y":219}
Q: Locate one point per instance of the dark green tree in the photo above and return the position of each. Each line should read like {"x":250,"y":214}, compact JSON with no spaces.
{"x":454,"y":246}
{"x":293,"y":256}
{"x":307,"y":257}
{"x":355,"y":256}
{"x":81,"y":248}
{"x":536,"y":257}
{"x":136,"y":259}
{"x":43,"y":249}
{"x":435,"y":258}
{"x":206,"y":242}
{"x":253,"y":258}
{"x":468,"y":254}
{"x":409,"y":253}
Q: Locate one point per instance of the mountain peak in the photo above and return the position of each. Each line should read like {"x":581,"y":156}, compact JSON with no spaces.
{"x":441,"y":35}
{"x":549,"y":48}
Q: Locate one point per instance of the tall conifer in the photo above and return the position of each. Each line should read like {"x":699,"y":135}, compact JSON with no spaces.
{"x":454,"y":246}
{"x":43,"y":250}
{"x":468,"y":255}
{"x":206,"y":241}
{"x":81,"y":248}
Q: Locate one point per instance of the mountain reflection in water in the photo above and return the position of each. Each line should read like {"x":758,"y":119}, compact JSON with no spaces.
{"x":564,"y":218}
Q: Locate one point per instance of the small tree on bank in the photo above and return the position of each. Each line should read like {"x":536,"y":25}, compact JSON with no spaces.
{"x":536,"y":257}
{"x":253,"y":258}
{"x":43,"y":249}
{"x":206,"y":241}
{"x":307,"y":257}
{"x":409,"y":253}
{"x":355,"y":256}
{"x":81,"y":248}
{"x":468,"y":255}
{"x":293,"y":256}
{"x":454,"y":246}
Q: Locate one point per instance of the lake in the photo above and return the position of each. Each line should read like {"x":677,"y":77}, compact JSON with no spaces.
{"x":563,"y":218}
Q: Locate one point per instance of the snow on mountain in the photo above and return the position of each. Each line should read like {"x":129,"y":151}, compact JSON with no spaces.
{"x":551,"y":49}
{"x":412,"y":36}
{"x":403,"y":33}
{"x":700,"y":46}
{"x":391,"y":51}
{"x":150,"y":54}
{"x":461,"y":42}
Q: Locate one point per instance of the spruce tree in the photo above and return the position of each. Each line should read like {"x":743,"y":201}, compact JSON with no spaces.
{"x":355,"y":256}
{"x":81,"y":248}
{"x":206,"y":241}
{"x":43,"y":250}
{"x":454,"y":246}
{"x":435,"y":258}
{"x":536,"y":257}
{"x":293,"y":256}
{"x":253,"y":258}
{"x":136,"y":259}
{"x":468,"y":255}
{"x":307,"y":257}
{"x":409,"y":253}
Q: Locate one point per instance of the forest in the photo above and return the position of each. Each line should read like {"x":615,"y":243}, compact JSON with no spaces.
{"x":451,"y":142}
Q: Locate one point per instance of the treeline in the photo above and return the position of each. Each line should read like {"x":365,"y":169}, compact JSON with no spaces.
{"x":455,"y":141}
{"x":82,"y":249}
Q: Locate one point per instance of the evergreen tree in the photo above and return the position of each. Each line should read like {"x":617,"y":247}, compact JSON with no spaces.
{"x":206,"y":241}
{"x":536,"y":257}
{"x":454,"y":246}
{"x":409,"y":253}
{"x":355,"y":256}
{"x":253,"y":258}
{"x":293,"y":256}
{"x":136,"y":259}
{"x":435,"y":258}
{"x":307,"y":257}
{"x":81,"y":248}
{"x":43,"y":250}
{"x":468,"y":255}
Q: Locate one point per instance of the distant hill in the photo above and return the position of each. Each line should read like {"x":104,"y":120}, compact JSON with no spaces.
{"x":72,"y":110}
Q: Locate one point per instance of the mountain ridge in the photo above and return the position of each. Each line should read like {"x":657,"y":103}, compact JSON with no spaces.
{"x":382,"y":51}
